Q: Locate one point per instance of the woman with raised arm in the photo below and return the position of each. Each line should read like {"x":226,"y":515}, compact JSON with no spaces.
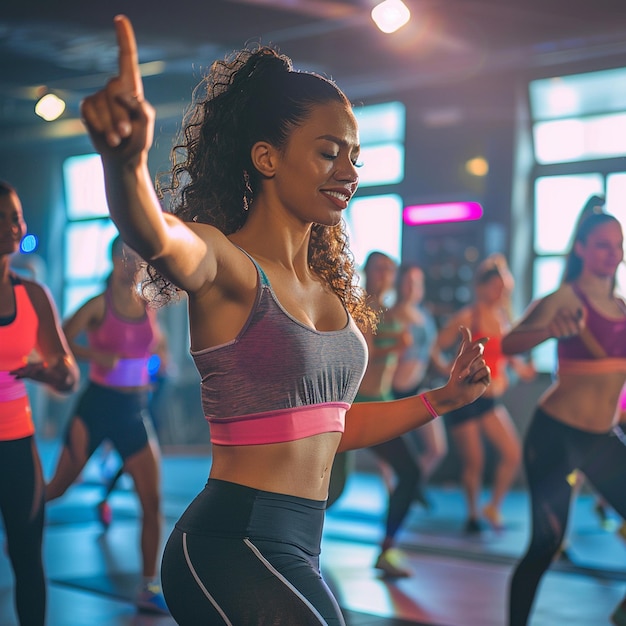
{"x":572,"y":428}
{"x":32,"y":347}
{"x":256,"y":240}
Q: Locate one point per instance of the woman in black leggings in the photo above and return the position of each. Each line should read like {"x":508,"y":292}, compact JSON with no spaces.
{"x":574,"y":425}
{"x":384,"y":347}
{"x":29,"y":326}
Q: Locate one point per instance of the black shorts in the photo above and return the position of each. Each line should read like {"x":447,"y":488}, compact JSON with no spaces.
{"x":473,"y":411}
{"x":120,"y":417}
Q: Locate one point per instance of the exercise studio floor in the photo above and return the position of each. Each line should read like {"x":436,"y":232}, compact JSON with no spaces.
{"x":457,"y":580}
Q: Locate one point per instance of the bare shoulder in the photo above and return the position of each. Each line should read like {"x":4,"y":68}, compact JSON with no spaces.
{"x":93,"y":309}
{"x":39,"y":294}
{"x":234,"y":268}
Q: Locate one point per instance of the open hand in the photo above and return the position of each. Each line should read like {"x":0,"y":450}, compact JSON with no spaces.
{"x":119,"y":120}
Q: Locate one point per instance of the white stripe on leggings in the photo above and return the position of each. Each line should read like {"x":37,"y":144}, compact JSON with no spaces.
{"x":201,"y":585}
{"x":278,"y":575}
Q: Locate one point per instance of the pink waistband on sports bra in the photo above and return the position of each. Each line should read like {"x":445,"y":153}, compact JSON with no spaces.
{"x":126,"y":373}
{"x":279,"y":426}
{"x":592,"y":366}
{"x":10,"y":387}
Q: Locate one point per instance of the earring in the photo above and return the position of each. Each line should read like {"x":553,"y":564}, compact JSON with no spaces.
{"x":247,"y":193}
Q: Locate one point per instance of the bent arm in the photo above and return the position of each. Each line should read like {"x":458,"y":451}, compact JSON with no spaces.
{"x":59,"y":369}
{"x":557,"y":315}
{"x":370,"y":423}
{"x":88,"y":317}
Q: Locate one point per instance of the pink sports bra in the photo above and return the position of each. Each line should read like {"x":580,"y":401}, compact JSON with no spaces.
{"x":133,"y":339}
{"x":600,"y":348}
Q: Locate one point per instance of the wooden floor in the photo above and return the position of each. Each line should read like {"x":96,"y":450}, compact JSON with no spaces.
{"x":457,"y":580}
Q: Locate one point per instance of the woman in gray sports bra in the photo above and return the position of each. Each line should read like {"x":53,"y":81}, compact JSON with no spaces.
{"x":269,"y":163}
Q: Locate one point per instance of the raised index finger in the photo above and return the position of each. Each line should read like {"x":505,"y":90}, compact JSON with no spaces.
{"x":129,"y":74}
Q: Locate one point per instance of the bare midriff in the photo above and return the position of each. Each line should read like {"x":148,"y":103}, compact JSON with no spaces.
{"x":298,"y":468}
{"x":586,"y":401}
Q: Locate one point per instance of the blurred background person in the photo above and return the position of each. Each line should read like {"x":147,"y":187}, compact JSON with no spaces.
{"x":122,"y":334}
{"x":413,"y":363}
{"x":32,"y":347}
{"x":488,"y":316}
{"x":396,"y":456}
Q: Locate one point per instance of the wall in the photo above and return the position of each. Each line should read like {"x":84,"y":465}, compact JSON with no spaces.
{"x":446,"y":125}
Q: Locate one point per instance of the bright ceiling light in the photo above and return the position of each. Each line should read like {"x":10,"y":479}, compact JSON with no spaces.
{"x":50,"y":107}
{"x":390,"y":15}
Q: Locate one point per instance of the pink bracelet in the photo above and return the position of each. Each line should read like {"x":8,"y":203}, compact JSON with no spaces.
{"x":428,"y":405}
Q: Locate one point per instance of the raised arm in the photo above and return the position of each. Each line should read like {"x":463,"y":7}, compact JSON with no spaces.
{"x":120,"y":123}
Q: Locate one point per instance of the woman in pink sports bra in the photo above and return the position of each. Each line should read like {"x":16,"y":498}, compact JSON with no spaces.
{"x":572,"y":428}
{"x":121,"y":335}
{"x":32,"y":347}
{"x":266,"y":165}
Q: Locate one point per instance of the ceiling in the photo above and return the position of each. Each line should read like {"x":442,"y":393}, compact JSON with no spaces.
{"x":69,"y":45}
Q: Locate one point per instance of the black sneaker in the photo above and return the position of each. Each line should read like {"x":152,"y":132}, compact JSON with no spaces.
{"x":473,"y":527}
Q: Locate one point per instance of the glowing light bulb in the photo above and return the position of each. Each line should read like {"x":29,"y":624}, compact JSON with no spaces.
{"x":390,"y":15}
{"x":50,"y":107}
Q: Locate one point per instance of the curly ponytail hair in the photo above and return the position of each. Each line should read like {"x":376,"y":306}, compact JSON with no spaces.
{"x":253,"y":95}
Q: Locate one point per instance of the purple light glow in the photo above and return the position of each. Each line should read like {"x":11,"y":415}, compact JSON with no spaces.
{"x":444,"y":212}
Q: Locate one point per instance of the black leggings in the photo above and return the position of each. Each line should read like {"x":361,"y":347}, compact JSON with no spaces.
{"x":243,"y":557}
{"x":22,"y":508}
{"x":403,"y":459}
{"x":552,"y":450}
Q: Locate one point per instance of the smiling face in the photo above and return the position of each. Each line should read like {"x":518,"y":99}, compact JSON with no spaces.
{"x":315,"y":175}
{"x":12,"y":225}
{"x":603,"y":250}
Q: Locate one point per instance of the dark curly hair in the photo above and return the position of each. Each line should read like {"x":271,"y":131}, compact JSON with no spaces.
{"x":252,"y":95}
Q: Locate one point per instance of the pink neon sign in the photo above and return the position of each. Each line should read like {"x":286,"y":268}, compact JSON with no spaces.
{"x":444,"y":212}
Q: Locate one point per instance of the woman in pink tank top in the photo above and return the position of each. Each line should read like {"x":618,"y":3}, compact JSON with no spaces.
{"x":32,"y":346}
{"x":573,"y":427}
{"x":117,"y":334}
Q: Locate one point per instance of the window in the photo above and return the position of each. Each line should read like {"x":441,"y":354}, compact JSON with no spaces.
{"x":88,"y":233}
{"x":579,"y":133}
{"x":374,"y":222}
